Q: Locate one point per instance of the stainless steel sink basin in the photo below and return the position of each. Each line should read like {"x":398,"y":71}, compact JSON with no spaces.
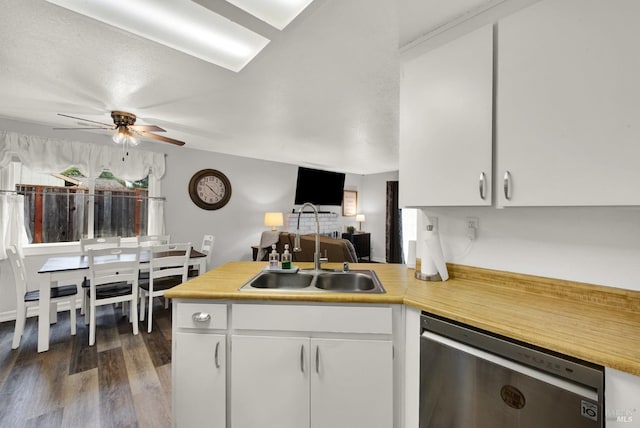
{"x":345,"y":281}
{"x":283,"y":281}
{"x":355,"y":281}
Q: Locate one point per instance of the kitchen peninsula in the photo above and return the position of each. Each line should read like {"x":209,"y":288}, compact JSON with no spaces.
{"x":594,"y":323}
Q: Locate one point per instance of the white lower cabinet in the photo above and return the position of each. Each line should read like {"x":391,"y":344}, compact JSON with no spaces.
{"x":199,"y":379}
{"x":351,"y":383}
{"x":311,"y":382}
{"x":281,"y":365}
{"x":269,"y":382}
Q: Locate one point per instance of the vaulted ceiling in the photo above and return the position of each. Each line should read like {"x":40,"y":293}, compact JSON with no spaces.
{"x":324,"y":93}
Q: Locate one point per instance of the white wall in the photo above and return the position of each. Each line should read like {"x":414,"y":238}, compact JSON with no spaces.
{"x":597,"y":245}
{"x":257,"y":187}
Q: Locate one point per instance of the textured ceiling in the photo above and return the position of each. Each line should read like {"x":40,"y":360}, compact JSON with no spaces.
{"x":323,"y":93}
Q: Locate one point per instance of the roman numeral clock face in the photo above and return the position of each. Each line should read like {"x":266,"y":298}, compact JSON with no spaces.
{"x":210,"y":189}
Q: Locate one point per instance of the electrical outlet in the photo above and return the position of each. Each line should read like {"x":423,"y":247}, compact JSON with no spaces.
{"x":472,"y":228}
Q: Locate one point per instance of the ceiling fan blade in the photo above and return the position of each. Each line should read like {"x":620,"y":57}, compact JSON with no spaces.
{"x":87,"y":120}
{"x":148,"y":128}
{"x":161,"y":138}
{"x":95,"y":127}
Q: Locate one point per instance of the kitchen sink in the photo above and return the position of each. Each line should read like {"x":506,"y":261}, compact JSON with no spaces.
{"x":345,"y":281}
{"x":354,"y":281}
{"x":282,"y":281}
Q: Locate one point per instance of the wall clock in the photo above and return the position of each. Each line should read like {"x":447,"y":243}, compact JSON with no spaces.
{"x":210,"y":189}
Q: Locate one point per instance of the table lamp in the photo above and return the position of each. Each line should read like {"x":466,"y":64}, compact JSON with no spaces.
{"x":274,"y":220}
{"x":360,"y":219}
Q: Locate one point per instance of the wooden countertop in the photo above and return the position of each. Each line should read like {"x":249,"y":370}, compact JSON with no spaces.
{"x":224,"y":283}
{"x":594,"y":323}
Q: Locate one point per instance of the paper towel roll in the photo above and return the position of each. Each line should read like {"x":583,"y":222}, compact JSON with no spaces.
{"x":427,"y":267}
{"x":411,"y":254}
{"x":432,"y":257}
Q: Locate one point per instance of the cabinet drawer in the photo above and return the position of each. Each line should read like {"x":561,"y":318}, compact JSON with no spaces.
{"x":201,"y":315}
{"x":334,"y":319}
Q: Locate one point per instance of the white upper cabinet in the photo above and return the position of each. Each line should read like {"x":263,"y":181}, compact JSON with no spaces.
{"x":446,"y":124}
{"x":568,"y":109}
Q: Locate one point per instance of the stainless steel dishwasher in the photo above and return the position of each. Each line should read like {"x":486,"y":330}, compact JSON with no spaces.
{"x":472,"y":378}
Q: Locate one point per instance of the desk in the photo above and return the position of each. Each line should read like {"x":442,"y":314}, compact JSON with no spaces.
{"x":68,"y":268}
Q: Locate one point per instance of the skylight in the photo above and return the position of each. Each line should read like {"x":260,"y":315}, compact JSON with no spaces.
{"x":179,"y":24}
{"x":277,"y":13}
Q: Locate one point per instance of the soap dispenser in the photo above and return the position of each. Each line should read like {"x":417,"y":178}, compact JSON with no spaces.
{"x":286,"y":257}
{"x":274,"y":258}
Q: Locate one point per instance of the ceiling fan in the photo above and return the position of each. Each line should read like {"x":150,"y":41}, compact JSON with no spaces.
{"x":126,"y":130}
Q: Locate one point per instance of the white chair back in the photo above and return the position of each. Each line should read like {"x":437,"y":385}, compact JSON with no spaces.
{"x":169,"y":260}
{"x":113,"y":277}
{"x":207,"y":244}
{"x":168,"y":267}
{"x":207,"y":248}
{"x":151,"y":240}
{"x":113,"y":265}
{"x":99,"y":243}
{"x":19,"y":272}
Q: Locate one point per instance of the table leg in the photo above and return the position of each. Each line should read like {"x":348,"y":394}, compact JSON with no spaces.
{"x":44,"y":309}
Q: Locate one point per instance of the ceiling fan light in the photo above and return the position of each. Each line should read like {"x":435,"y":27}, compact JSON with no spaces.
{"x":119,"y":137}
{"x":133,"y":141}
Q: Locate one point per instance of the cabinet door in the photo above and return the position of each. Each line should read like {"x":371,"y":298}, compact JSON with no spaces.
{"x":567,"y":104}
{"x":200,"y":380}
{"x":446,"y":123}
{"x":351,"y":383}
{"x":269,"y":382}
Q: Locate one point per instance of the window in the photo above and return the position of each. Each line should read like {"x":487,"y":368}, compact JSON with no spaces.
{"x":60,"y":207}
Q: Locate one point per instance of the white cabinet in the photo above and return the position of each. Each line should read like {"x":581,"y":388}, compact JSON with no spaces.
{"x":568,"y":124}
{"x":317,"y":366}
{"x":200,"y":380}
{"x":622,"y":391}
{"x":294,"y":382}
{"x":446,"y":124}
{"x":199,"y":364}
{"x":269,"y":381}
{"x":351,"y":383}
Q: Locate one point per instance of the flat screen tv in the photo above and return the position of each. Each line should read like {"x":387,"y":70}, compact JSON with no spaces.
{"x":319,"y":187}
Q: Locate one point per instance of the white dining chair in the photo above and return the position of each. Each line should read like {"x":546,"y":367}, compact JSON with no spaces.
{"x":168,"y":267}
{"x":25,"y":299}
{"x":205,"y":248}
{"x":87,"y":244}
{"x":151,"y":240}
{"x":113,"y":278}
{"x":98,"y":243}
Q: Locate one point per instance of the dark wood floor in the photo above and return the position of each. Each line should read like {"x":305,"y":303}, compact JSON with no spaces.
{"x":122,"y":381}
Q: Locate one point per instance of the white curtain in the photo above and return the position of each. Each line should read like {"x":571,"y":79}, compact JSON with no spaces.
{"x":12,"y":230}
{"x":49,"y":155}
{"x":155,"y":225}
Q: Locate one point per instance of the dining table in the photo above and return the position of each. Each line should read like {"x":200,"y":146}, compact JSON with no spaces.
{"x":69,"y":268}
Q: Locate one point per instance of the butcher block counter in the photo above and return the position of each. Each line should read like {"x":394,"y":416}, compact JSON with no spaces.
{"x":594,"y":323}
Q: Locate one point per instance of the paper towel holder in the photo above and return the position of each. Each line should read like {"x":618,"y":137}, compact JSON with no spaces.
{"x":425,"y":277}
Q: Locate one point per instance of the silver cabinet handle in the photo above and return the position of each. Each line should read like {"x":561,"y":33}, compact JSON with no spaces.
{"x":317,"y":359}
{"x":302,"y":358}
{"x":216,"y":355}
{"x":200,"y":317}
{"x":482,"y":185}
{"x":507,"y":185}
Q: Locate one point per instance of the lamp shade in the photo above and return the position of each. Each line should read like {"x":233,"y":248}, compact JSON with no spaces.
{"x":273,"y":219}
{"x":360,"y":218}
